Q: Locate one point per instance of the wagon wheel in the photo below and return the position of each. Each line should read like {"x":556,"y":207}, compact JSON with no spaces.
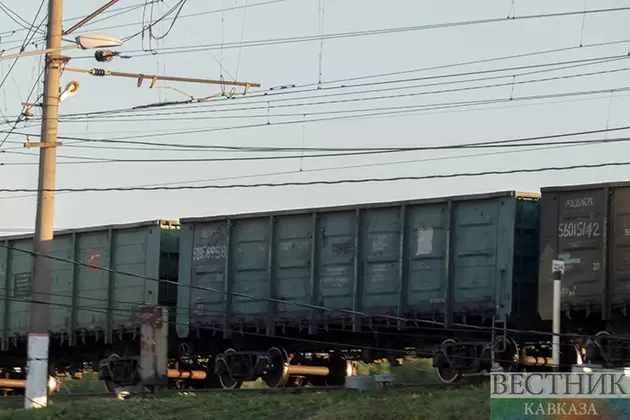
{"x":447,"y":374}
{"x":277,"y":375}
{"x":225,"y":378}
{"x":110,"y":386}
{"x":339,"y":369}
{"x":508,"y":359}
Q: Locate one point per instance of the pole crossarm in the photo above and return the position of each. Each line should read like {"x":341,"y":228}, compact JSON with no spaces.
{"x":140,"y":77}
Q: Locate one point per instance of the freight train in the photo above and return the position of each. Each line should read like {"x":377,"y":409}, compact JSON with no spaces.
{"x":297,"y":297}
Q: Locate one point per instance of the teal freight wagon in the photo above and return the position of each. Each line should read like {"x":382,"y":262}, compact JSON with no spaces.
{"x":271,"y":287}
{"x":95,"y":310}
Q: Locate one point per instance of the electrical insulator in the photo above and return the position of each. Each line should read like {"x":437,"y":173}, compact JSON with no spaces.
{"x":99,"y":72}
{"x":104,"y":55}
{"x":27,"y":114}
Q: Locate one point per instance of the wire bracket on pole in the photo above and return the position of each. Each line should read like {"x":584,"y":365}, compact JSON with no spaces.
{"x":63,"y":59}
{"x":231,"y":94}
{"x":29,"y":145}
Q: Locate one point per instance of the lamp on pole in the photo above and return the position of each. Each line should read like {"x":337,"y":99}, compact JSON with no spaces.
{"x":38,"y":337}
{"x":84,"y":42}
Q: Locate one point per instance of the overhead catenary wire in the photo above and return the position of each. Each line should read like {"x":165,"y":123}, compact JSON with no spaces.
{"x":377,"y":334}
{"x":329,"y":168}
{"x":181,"y":5}
{"x":116,"y":11}
{"x":26,"y":41}
{"x":272,"y":300}
{"x":165,"y":17}
{"x":129,"y":311}
{"x":176,"y":310}
{"x":286,"y":90}
{"x":422,"y":111}
{"x":84,"y":140}
{"x":514,"y":140}
{"x":94,"y":160}
{"x":264,"y":98}
{"x":332,"y":182}
{"x":192,"y":114}
{"x":17,"y":120}
{"x":417,"y":322}
{"x":410,"y":349}
{"x":15,"y":17}
{"x":187,"y":49}
{"x":279,"y":90}
{"x":376,"y":112}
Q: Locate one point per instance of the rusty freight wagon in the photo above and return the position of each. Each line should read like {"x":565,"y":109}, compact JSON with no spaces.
{"x":588,"y":227}
{"x":296,"y":296}
{"x":95,"y":310}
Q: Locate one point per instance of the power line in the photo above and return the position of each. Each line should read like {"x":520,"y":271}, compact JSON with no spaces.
{"x":174,"y":309}
{"x":122,"y":312}
{"x":265,"y":3}
{"x":129,"y":311}
{"x":26,"y":41}
{"x":11,"y":131}
{"x":333,"y":168}
{"x":290,"y":89}
{"x":374,"y":112}
{"x":17,"y":18}
{"x":390,"y":149}
{"x":414,"y":109}
{"x":334,"y":182}
{"x":149,"y":27}
{"x":340,"y":35}
{"x":467,"y":63}
{"x":115,"y":11}
{"x":272,"y":300}
{"x":81,"y":117}
{"x":94,"y":160}
{"x":264,"y":98}
{"x":133,"y":117}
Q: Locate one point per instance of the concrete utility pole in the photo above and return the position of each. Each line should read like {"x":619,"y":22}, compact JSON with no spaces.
{"x":38,"y":337}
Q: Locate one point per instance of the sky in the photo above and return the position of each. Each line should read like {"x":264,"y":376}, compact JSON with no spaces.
{"x":307,"y":117}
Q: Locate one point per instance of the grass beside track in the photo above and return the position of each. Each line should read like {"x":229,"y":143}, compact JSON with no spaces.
{"x":470,"y":403}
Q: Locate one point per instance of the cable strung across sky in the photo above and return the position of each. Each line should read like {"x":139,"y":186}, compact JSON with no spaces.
{"x":277,"y":41}
{"x":334,"y":182}
{"x":272,"y":93}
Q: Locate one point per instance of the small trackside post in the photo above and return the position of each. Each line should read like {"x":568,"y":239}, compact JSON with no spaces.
{"x":557,"y":269}
{"x":154,"y":346}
